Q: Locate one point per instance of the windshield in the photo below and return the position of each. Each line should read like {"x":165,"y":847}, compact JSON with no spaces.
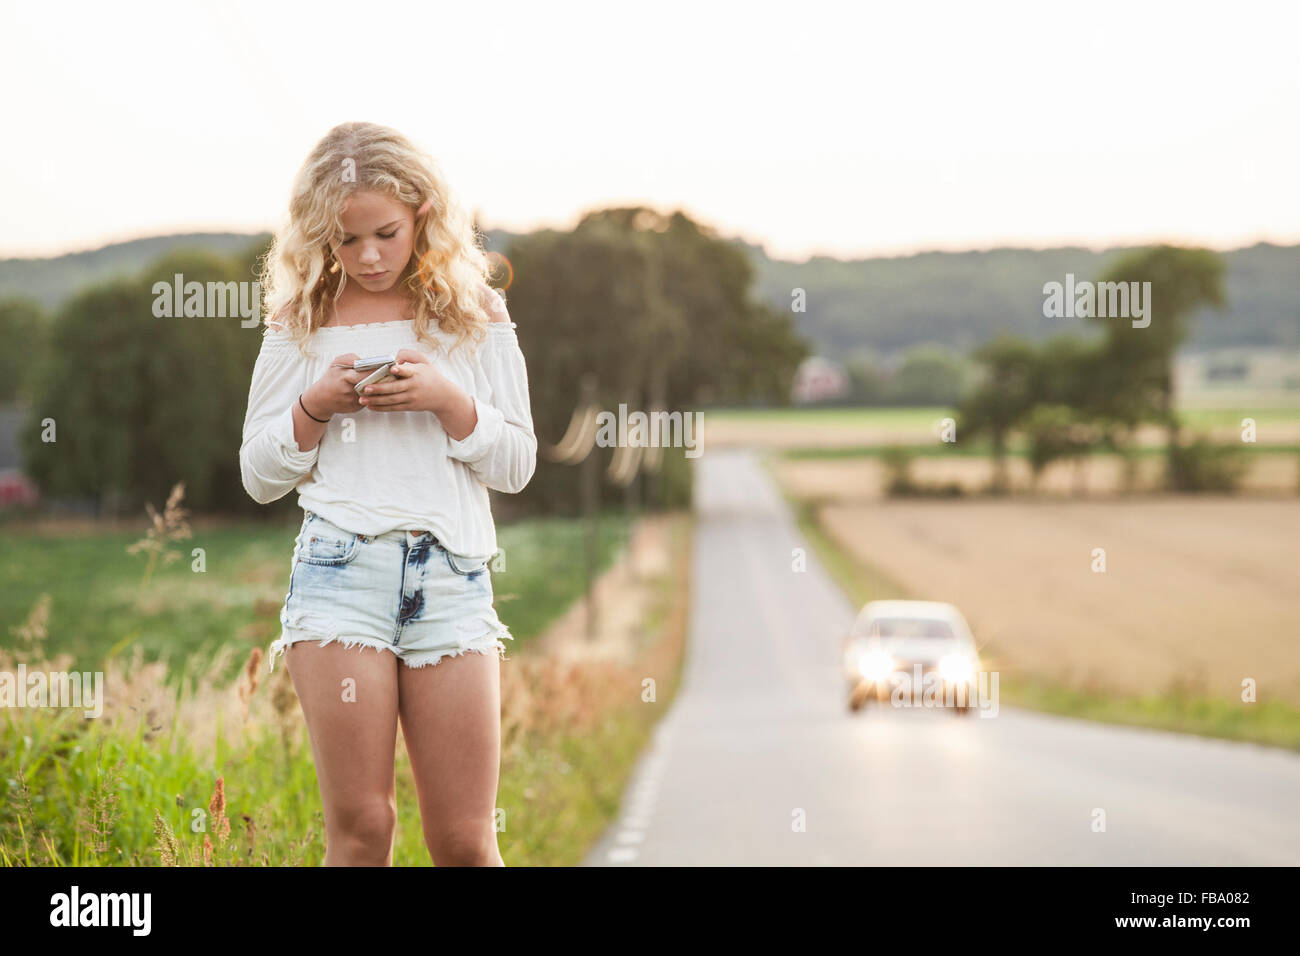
{"x":909,"y":627}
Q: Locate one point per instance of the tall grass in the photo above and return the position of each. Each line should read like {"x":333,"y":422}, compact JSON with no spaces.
{"x":189,"y":767}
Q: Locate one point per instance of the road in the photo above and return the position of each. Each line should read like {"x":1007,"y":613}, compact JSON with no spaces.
{"x":759,"y":762}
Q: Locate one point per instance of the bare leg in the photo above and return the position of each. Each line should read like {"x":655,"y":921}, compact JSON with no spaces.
{"x":349,"y":698}
{"x":451,"y":721}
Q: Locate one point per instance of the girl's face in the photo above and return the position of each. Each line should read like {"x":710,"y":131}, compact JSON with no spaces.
{"x":378,"y":236}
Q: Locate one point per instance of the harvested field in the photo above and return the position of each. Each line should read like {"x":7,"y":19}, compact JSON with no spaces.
{"x":863,"y":427}
{"x":1198,"y":594}
{"x":862,"y":478}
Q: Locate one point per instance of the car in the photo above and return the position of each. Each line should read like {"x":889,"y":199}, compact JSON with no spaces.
{"x":911,"y":653}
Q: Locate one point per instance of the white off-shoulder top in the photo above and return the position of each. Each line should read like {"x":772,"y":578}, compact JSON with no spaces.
{"x":374,"y":472}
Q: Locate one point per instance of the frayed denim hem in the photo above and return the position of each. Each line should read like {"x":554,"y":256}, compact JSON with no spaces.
{"x":282,"y":645}
{"x":493,"y":640}
{"x":489,"y":642}
{"x":426,"y":658}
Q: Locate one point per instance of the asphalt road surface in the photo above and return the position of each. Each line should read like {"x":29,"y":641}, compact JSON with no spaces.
{"x":760,"y":762}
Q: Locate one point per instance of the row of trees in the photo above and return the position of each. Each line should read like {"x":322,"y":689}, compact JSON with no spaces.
{"x":121,"y":405}
{"x":1071,"y":396}
{"x":926,"y":374}
{"x":654,"y":308}
{"x":660,"y":311}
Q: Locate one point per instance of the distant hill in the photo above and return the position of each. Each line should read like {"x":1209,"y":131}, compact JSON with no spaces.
{"x":962,"y":299}
{"x":51,"y":281}
{"x":885,"y":304}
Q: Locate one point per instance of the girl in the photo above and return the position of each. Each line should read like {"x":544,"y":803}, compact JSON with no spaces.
{"x":389,"y":614}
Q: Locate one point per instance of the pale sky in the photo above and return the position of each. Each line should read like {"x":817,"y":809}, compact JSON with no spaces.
{"x":845,"y":129}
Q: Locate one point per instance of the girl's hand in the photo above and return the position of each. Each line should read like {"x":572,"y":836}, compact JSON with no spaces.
{"x":419,"y":386}
{"x":334,"y":392}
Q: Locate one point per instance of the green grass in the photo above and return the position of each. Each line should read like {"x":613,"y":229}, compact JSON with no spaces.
{"x":189,"y":615}
{"x":570,"y":786}
{"x":568,"y":790}
{"x":981,"y":449}
{"x":1270,"y":723}
{"x":884,"y":417}
{"x":94,"y":583}
{"x":544,"y":569}
{"x":924,"y":441}
{"x":921,"y":417}
{"x":1195,"y":418}
{"x":64,"y":778}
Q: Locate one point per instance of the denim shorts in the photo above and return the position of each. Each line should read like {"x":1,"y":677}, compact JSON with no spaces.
{"x":400,"y":591}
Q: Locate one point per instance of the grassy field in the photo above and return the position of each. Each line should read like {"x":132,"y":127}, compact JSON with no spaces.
{"x":860,"y":475}
{"x":189,"y":767}
{"x":922,"y":416}
{"x":1197,"y":596}
{"x":863,"y":428}
{"x":184,"y":617}
{"x":902,"y":417}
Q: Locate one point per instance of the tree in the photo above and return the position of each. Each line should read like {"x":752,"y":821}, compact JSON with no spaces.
{"x":930,"y":375}
{"x":660,"y":310}
{"x":139,"y":401}
{"x":1055,"y":432}
{"x":867,"y":380}
{"x":24,"y":327}
{"x":1003,"y":397}
{"x":1182,"y":281}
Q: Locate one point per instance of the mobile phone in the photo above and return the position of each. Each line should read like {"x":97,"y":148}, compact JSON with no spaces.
{"x":380,"y":368}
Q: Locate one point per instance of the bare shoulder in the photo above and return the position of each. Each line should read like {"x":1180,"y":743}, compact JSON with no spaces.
{"x":493,"y":304}
{"x":276,"y":323}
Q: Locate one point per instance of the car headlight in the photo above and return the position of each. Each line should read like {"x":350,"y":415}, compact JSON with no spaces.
{"x":875,"y":665}
{"x":956,"y":668}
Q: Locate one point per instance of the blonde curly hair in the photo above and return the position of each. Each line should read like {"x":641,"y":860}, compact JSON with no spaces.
{"x":447,"y":275}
